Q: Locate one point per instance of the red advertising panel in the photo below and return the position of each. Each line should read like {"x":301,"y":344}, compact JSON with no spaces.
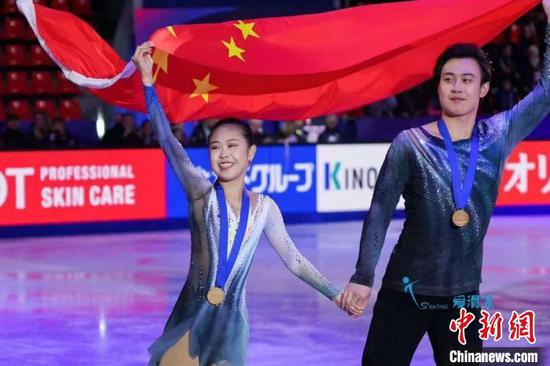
{"x":526,"y":178}
{"x":81,"y":186}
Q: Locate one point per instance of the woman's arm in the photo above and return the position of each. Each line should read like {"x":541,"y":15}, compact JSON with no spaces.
{"x":525,"y":116}
{"x":193,"y":181}
{"x":277,"y":235}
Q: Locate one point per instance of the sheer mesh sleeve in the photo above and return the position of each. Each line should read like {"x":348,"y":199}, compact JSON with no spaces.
{"x":524,"y":117}
{"x":193,"y":181}
{"x":277,"y":235}
{"x":390,"y":184}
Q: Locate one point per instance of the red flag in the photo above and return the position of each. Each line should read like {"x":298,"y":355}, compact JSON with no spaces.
{"x":277,"y":68}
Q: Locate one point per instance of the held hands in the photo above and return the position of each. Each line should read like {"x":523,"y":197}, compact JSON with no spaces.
{"x":354,"y":299}
{"x":144,"y":62}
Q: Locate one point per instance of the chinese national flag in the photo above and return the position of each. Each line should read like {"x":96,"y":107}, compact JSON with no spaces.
{"x":277,"y":68}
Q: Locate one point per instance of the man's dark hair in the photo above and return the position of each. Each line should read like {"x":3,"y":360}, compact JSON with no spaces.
{"x":246,"y":131}
{"x":464,"y":50}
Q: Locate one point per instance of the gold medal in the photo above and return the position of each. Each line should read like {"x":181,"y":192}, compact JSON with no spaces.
{"x":461,"y":218}
{"x":215,"y":296}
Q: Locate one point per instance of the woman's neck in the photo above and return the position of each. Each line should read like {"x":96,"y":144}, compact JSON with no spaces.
{"x":233,"y":189}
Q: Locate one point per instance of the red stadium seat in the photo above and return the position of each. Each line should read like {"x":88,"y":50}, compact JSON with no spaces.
{"x":20,"y":108}
{"x":70,"y":109}
{"x":65,"y":86}
{"x":14,"y":29}
{"x":2,"y":111}
{"x":17,"y":83}
{"x":82,"y":8}
{"x":42,"y":82}
{"x":16,"y":55}
{"x":46,"y":105}
{"x":10,"y":7}
{"x":3,"y":90}
{"x":41,"y":2}
{"x":38,"y":57}
{"x":60,"y":4}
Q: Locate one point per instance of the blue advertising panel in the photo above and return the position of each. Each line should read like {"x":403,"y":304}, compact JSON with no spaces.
{"x":285,"y":174}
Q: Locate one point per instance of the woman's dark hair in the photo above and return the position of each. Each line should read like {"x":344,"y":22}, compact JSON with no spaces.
{"x":464,"y":50}
{"x":245,"y":129}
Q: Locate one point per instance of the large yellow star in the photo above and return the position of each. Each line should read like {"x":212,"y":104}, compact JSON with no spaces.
{"x":203,"y":87}
{"x":234,"y":50}
{"x":247,"y":29}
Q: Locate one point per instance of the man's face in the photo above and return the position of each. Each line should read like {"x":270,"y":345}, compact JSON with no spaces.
{"x":331,"y":121}
{"x":460,"y":87}
{"x":39,"y":120}
{"x":255,"y":125}
{"x":128,"y":122}
{"x":12,"y":124}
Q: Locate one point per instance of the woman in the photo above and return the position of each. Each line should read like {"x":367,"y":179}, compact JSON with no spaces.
{"x":208,"y":325}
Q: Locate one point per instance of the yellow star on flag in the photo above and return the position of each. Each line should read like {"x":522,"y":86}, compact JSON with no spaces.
{"x":234,"y":50}
{"x":203,"y":87}
{"x":247,"y":29}
{"x":172,"y":31}
{"x":160,"y":58}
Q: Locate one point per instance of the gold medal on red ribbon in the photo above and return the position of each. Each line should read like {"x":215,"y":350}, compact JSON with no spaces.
{"x":461,"y":218}
{"x":215,"y":296}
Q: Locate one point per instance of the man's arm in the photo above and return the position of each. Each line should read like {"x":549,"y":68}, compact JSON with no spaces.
{"x":524,"y":117}
{"x":391,"y":182}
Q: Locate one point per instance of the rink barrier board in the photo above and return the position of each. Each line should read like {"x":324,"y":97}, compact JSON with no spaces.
{"x":78,"y":191}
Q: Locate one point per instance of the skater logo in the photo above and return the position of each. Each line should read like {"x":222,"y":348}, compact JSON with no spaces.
{"x":408,"y":289}
{"x":424,"y":305}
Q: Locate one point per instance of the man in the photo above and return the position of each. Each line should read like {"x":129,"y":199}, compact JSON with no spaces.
{"x":448,"y":173}
{"x":331,"y":134}
{"x":13,"y":137}
{"x":40,"y":131}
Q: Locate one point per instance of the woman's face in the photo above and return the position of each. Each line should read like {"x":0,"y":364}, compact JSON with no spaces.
{"x":230,"y":154}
